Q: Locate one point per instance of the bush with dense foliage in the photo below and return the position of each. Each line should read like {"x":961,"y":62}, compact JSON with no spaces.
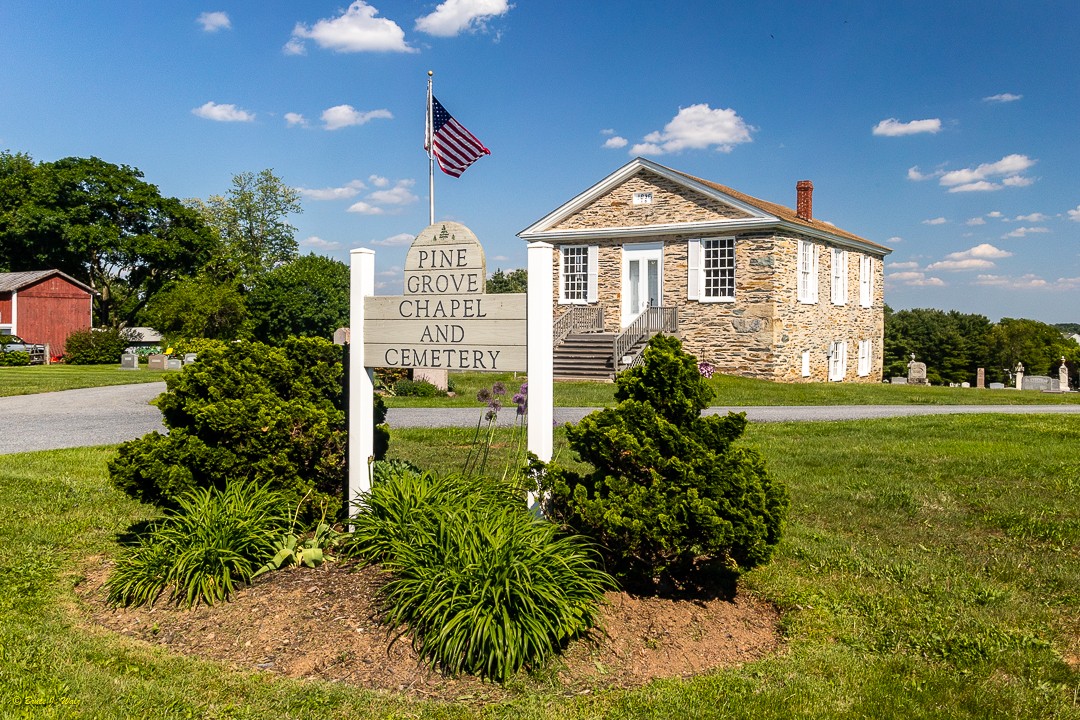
{"x":247,"y":411}
{"x":15,"y":358}
{"x":308,"y":297}
{"x":417,"y":388}
{"x":96,"y":347}
{"x":672,"y":501}
{"x":483,"y":585}
{"x":213,"y":541}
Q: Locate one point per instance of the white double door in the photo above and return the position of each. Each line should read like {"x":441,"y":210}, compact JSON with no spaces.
{"x":642,"y":278}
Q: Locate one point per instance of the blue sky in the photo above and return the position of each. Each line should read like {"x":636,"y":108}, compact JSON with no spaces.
{"x":945,"y":130}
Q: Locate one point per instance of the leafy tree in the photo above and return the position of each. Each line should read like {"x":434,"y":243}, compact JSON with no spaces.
{"x":1037,"y":345}
{"x":100,"y":223}
{"x":199,"y":307}
{"x":252,"y":221}
{"x":307,"y":297}
{"x":515,"y":281}
{"x":952,"y":344}
{"x":672,"y":501}
{"x":96,"y":347}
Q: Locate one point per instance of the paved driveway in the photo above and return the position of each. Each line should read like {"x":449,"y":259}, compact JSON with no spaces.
{"x":108,"y":415}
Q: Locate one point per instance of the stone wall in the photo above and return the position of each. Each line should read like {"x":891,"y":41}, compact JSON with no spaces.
{"x":671,"y":203}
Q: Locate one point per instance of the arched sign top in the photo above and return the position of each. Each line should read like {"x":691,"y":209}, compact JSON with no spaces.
{"x":445,"y":258}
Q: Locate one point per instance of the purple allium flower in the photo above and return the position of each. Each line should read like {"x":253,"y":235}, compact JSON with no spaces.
{"x":519,"y":398}
{"x":484,"y":395}
{"x":524,"y":390}
{"x":490,"y":414}
{"x":498,"y":388}
{"x":706,"y":369}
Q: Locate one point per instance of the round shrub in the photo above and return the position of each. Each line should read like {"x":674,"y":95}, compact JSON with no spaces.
{"x":672,"y":502}
{"x":417,"y":388}
{"x":16,"y":358}
{"x":247,"y":411}
{"x":102,"y":346}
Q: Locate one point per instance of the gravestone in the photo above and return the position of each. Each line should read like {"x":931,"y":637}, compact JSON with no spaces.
{"x":965,"y":384}
{"x":916,"y":373}
{"x":997,"y":386}
{"x":1019,"y":376}
{"x":189,"y":358}
{"x":129,"y":361}
{"x":157,"y":362}
{"x":980,"y":381}
{"x":1037,"y":382}
{"x":174,"y":363}
{"x":1063,"y":376}
{"x":898,"y":380}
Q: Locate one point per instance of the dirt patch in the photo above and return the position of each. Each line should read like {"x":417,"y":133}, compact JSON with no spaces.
{"x":323,"y":624}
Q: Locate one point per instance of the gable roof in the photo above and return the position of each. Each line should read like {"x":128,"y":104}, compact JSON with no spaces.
{"x":761,"y":213}
{"x":14,"y":281}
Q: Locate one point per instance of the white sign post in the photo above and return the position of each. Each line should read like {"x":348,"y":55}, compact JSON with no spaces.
{"x":445,"y":320}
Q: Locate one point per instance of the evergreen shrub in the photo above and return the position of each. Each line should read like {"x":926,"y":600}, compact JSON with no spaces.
{"x":96,"y":346}
{"x":248,"y":411}
{"x":16,"y":358}
{"x":672,"y":501}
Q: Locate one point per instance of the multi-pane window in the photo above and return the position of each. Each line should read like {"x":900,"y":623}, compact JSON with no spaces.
{"x":807,"y":270}
{"x":866,"y":281}
{"x":839,"y":276}
{"x":865,"y":353}
{"x":718,"y":268}
{"x":575,"y":274}
{"x":838,"y":360}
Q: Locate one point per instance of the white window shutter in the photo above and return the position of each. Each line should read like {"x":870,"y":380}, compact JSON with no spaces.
{"x":814,"y":275}
{"x":594,"y":255}
{"x":561,"y":260}
{"x":693,"y":269}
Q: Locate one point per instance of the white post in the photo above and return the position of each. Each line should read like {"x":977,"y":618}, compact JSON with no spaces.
{"x":361,"y":379}
{"x":541,"y":363}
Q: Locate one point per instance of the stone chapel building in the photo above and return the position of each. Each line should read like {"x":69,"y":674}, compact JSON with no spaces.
{"x":752,"y":287}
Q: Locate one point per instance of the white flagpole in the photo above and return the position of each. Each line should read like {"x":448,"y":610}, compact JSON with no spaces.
{"x":429,"y":143}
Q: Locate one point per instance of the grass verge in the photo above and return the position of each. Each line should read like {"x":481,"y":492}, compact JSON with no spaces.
{"x":931,"y":569}
{"x":33,"y":379}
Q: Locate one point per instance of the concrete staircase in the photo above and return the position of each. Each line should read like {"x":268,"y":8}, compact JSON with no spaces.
{"x":584,"y":356}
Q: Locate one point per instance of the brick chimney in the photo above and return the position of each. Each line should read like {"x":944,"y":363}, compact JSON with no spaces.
{"x":804,"y":204}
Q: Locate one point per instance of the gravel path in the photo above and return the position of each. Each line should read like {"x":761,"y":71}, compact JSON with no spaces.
{"x":108,"y":415}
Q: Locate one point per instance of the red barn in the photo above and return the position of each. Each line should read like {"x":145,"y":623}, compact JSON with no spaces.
{"x":44,"y":306}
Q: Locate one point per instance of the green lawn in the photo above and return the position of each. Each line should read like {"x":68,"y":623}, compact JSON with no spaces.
{"x":931,"y":569}
{"x":33,"y":379}
{"x":744,"y":392}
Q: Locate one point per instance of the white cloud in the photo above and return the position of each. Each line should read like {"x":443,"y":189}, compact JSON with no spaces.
{"x":895,"y":239}
{"x":978,"y":179}
{"x":697,"y":127}
{"x":976,"y":221}
{"x":341,"y":116}
{"x":909,"y":265}
{"x":1024,"y":282}
{"x":913,"y":173}
{"x":894,"y":128}
{"x":378,"y":181}
{"x":1074,"y":214}
{"x":935,"y":221}
{"x":400,"y":194}
{"x":1023,"y":231}
{"x":375,"y":203}
{"x":986,"y":251}
{"x":316,"y":241}
{"x":399,"y":240}
{"x":916,"y":279}
{"x":366,"y":209}
{"x":295,"y":120}
{"x":1033,"y":217}
{"x":356,"y":30}
{"x":1002,"y":98}
{"x":995,"y":214}
{"x":961,"y":265}
{"x":616,"y":142}
{"x":452,"y":17}
{"x":214,"y":21}
{"x":349,"y":190}
{"x":222,"y":113}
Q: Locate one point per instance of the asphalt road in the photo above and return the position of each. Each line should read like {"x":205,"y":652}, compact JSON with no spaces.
{"x":108,"y":415}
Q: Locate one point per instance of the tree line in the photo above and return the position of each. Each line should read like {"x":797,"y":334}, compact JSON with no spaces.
{"x":955,"y":345}
{"x":226,"y":267}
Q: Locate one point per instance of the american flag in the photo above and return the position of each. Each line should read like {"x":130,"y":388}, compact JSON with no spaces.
{"x":455,"y":147}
